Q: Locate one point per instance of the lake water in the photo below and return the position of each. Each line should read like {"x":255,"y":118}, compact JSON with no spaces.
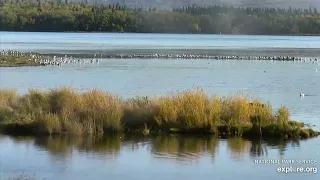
{"x":162,"y":157}
{"x":165,"y":157}
{"x":91,"y":43}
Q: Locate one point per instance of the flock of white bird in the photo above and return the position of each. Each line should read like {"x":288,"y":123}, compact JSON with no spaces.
{"x":58,"y":61}
{"x":65,"y":60}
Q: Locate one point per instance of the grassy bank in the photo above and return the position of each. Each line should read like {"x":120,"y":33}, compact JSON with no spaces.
{"x":18,"y":61}
{"x":66,"y":111}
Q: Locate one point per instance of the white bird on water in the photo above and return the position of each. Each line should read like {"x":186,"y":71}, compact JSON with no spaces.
{"x":301,"y":95}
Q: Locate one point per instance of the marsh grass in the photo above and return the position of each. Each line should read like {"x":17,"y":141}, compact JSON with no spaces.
{"x":66,"y":111}
{"x":16,"y":61}
{"x":138,"y":113}
{"x":6,"y":97}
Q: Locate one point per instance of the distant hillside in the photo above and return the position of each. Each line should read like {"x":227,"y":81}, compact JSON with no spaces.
{"x":66,"y":17}
{"x":169,"y":4}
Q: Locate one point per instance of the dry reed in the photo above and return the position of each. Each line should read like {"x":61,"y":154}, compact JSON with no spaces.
{"x":95,"y":112}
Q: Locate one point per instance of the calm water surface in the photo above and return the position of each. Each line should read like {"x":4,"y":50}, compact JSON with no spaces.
{"x":90,"y":43}
{"x":165,"y":157}
{"x":162,"y":157}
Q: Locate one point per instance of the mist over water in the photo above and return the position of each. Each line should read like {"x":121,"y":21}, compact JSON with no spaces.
{"x":169,"y":4}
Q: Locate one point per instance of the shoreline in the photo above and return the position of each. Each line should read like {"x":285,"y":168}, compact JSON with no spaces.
{"x":92,"y":113}
{"x":223,"y":132}
{"x":20,"y":65}
{"x":22,"y":59}
{"x":19,"y":59}
{"x":166,"y":33}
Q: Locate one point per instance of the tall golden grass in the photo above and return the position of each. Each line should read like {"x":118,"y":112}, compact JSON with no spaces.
{"x":94,"y":112}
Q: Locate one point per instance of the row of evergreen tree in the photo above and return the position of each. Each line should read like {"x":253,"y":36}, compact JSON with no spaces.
{"x":61,"y":16}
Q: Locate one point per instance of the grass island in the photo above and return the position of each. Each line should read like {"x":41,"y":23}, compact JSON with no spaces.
{"x":95,"y":112}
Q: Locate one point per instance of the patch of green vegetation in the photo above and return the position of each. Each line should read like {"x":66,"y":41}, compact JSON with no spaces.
{"x":65,"y":111}
{"x":17,"y":61}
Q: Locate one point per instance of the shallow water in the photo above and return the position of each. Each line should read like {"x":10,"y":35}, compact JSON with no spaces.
{"x":165,"y":157}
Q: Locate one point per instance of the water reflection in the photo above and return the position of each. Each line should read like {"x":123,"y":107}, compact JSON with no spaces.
{"x":178,"y":148}
{"x":184,"y":148}
{"x":108,"y":146}
{"x":239,"y":147}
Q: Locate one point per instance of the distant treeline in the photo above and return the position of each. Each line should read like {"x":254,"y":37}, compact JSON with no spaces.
{"x":62,"y":16}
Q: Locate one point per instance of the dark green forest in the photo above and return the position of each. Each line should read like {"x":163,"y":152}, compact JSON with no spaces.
{"x":64,"y":16}
{"x":170,"y":4}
